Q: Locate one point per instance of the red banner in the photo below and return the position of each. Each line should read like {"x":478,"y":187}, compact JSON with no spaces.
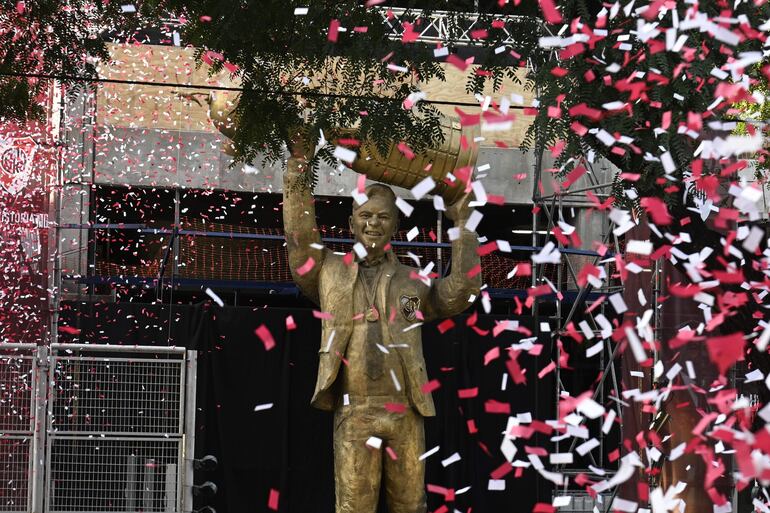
{"x":28,"y":162}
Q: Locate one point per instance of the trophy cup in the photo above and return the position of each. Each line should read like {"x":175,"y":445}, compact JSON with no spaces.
{"x":455,"y":152}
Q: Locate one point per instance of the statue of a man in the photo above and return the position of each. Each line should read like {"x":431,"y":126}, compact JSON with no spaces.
{"x":371,"y":370}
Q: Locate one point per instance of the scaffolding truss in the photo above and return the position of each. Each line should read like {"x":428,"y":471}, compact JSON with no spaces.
{"x":447,"y":27}
{"x":593,"y":325}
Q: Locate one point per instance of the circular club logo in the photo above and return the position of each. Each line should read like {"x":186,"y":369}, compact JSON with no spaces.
{"x":16,"y":158}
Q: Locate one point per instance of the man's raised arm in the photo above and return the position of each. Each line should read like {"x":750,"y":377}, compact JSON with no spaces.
{"x":449,"y":296}
{"x":303,"y":240}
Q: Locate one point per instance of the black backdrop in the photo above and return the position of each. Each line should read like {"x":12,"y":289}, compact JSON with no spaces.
{"x":289,"y":446}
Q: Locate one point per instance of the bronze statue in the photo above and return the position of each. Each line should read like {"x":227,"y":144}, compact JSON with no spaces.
{"x":371,"y":370}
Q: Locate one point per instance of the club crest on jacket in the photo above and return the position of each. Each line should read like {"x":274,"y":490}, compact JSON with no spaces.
{"x":409,"y":307}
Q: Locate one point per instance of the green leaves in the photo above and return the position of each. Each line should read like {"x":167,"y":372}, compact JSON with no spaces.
{"x":294,"y":72}
{"x":646,"y":79}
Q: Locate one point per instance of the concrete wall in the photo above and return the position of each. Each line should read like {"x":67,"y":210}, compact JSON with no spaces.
{"x":164,"y":158}
{"x":148,"y":157}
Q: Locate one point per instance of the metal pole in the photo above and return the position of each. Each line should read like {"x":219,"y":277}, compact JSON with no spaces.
{"x":439,"y":238}
{"x":189,"y":432}
{"x":105,"y":348}
{"x":45,"y":425}
{"x":148,"y":491}
{"x":170,"y":488}
{"x":555,"y":333}
{"x":132,"y":479}
{"x":91,"y":266}
{"x":599,"y":385}
{"x":54,"y":249}
{"x":39,"y":389}
{"x":575,"y":191}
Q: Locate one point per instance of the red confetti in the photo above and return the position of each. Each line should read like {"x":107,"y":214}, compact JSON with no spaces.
{"x":272,"y":501}
{"x":306,"y":267}
{"x":430,"y":386}
{"x":395,"y":407}
{"x":445,"y":326}
{"x":492,"y":354}
{"x":501,"y":471}
{"x":405,"y":150}
{"x":550,"y":12}
{"x":265,"y":336}
{"x":725,"y":351}
{"x":468,"y":393}
{"x":457,"y":62}
{"x":334,"y":28}
{"x":657,"y":209}
{"x":492,"y":406}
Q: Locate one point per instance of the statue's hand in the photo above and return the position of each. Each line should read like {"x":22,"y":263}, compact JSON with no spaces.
{"x":459,"y":211}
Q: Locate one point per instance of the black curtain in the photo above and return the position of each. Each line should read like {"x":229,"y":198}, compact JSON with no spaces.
{"x":288,"y":447}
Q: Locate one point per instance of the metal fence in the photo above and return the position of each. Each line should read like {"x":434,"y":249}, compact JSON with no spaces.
{"x":18,"y":382}
{"x":96,"y":428}
{"x":582,"y":502}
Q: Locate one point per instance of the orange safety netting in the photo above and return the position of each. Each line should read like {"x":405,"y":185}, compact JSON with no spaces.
{"x":265,"y":260}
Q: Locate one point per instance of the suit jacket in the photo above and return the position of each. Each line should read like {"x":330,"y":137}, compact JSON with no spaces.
{"x":330,"y":283}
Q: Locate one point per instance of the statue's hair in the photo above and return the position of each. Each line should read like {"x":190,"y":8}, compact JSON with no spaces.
{"x":378,"y":189}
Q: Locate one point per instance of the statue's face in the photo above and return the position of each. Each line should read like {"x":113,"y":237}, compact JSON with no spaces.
{"x":374,"y":223}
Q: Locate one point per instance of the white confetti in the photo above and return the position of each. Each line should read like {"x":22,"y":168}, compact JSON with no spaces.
{"x":360,"y":250}
{"x":210,"y":293}
{"x":560,"y":458}
{"x":452,"y":459}
{"x":636,"y":345}
{"x":404,"y":207}
{"x":423,"y":188}
{"x":429,"y":453}
{"x":496,"y":485}
{"x":473,"y":221}
{"x":344,"y":154}
{"x":640,"y":247}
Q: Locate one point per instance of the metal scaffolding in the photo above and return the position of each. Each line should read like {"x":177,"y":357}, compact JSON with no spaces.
{"x":446,"y":27}
{"x":548,"y":211}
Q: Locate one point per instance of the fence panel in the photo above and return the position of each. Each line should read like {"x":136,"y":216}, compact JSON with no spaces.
{"x":116,"y":436}
{"x":18,"y":381}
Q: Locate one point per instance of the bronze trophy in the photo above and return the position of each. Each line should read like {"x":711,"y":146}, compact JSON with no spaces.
{"x":393,"y":168}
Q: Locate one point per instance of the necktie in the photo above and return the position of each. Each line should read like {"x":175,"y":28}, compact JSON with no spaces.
{"x":373,"y":356}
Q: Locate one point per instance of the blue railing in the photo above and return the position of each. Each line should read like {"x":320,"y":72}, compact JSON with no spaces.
{"x":282,"y":288}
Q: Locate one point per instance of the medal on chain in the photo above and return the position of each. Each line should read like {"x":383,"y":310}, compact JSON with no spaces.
{"x":371,"y":314}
